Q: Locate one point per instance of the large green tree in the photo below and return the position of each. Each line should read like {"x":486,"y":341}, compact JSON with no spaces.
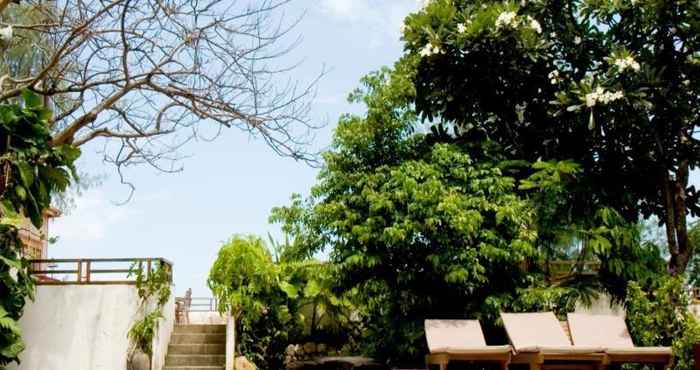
{"x":417,"y":228}
{"x":423,"y":223}
{"x":610,"y":84}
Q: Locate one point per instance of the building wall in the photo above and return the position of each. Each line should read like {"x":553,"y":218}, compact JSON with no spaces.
{"x":601,"y":306}
{"x":84,"y":327}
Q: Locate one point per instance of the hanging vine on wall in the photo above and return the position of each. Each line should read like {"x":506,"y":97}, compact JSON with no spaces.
{"x":31,"y":171}
{"x":153,"y":284}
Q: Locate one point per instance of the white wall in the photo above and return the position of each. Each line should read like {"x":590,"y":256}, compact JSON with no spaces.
{"x":83,"y":327}
{"x":601,"y":306}
{"x":162,"y":336}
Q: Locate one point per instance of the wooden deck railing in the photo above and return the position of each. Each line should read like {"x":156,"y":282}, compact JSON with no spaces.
{"x":563,"y":268}
{"x":94,"y":271}
{"x":695,"y":294}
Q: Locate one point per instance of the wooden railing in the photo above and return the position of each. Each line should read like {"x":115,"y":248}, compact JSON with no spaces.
{"x":94,"y":271}
{"x":695,"y":294}
{"x":564,"y":268}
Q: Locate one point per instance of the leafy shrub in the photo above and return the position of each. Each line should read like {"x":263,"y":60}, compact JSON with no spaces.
{"x":660,"y":317}
{"x":31,"y":171}
{"x":143,"y":331}
{"x":276,"y":304}
{"x":150,"y":285}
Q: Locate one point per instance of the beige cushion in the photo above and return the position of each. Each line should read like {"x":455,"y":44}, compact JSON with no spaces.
{"x":449,"y":335}
{"x":533,"y":331}
{"x":607,"y":331}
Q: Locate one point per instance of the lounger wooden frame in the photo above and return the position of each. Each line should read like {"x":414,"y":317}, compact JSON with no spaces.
{"x":560,"y":361}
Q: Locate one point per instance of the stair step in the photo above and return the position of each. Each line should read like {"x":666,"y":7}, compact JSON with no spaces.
{"x":192,"y":360}
{"x":207,"y":338}
{"x":200,"y":329}
{"x":197,"y":349}
{"x":194,"y":368}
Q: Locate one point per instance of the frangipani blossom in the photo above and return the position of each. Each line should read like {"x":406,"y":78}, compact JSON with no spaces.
{"x":506,"y":20}
{"x":627,"y":63}
{"x":600,"y":95}
{"x":534,"y":24}
{"x":6,"y":34}
{"x":430,"y":49}
{"x":461,"y":28}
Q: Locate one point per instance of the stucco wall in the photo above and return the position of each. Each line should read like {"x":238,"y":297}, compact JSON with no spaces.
{"x":81,"y":327}
{"x":162,"y":337}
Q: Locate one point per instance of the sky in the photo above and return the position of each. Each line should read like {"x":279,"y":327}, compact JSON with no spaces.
{"x":230,"y":185}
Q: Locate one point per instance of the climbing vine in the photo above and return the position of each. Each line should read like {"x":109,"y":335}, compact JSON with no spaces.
{"x":31,"y":172}
{"x":151,"y":284}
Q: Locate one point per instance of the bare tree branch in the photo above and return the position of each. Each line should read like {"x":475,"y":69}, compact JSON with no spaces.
{"x":151,"y":75}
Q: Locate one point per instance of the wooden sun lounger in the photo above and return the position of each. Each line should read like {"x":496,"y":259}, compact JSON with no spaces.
{"x":540,"y":342}
{"x":461,"y":340}
{"x":610,"y":332}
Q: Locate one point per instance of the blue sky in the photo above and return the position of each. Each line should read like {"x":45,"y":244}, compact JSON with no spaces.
{"x":229,"y":186}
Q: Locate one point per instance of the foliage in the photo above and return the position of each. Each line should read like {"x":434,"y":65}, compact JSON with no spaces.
{"x":424,"y":222}
{"x":659,"y":316}
{"x":610,"y":85}
{"x":154,"y":289}
{"x":31,"y":171}
{"x":276,"y":304}
{"x":694,"y":266}
{"x":418,"y":229}
{"x":142,"y":331}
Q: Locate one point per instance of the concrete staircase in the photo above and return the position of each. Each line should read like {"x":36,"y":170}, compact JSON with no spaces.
{"x":197,"y":347}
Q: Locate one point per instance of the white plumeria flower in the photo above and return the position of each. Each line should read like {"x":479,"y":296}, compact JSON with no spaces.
{"x":591,"y":99}
{"x":599,"y":95}
{"x":424,"y":3}
{"x":14,"y":274}
{"x":6,"y":34}
{"x":577,"y":40}
{"x":553,"y":77}
{"x":628,"y":62}
{"x":403,"y":28}
{"x":534,"y":24}
{"x":461,"y":28}
{"x":506,"y":20}
{"x":430,"y":49}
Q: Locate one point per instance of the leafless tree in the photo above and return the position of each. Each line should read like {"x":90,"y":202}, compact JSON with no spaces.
{"x":153,"y":74}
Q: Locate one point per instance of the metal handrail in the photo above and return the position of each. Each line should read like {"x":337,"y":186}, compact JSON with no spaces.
{"x":203,"y":304}
{"x":84,"y":270}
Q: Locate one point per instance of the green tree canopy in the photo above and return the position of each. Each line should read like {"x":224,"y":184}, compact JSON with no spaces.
{"x":417,"y":229}
{"x":611,"y":85}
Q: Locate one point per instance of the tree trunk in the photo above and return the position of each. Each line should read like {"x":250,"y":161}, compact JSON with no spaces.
{"x":4,"y":4}
{"x":674,"y":191}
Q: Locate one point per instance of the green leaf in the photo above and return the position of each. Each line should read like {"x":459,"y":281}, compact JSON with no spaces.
{"x":290,"y":290}
{"x":312,"y":289}
{"x":31,"y":100}
{"x":26,"y":173}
